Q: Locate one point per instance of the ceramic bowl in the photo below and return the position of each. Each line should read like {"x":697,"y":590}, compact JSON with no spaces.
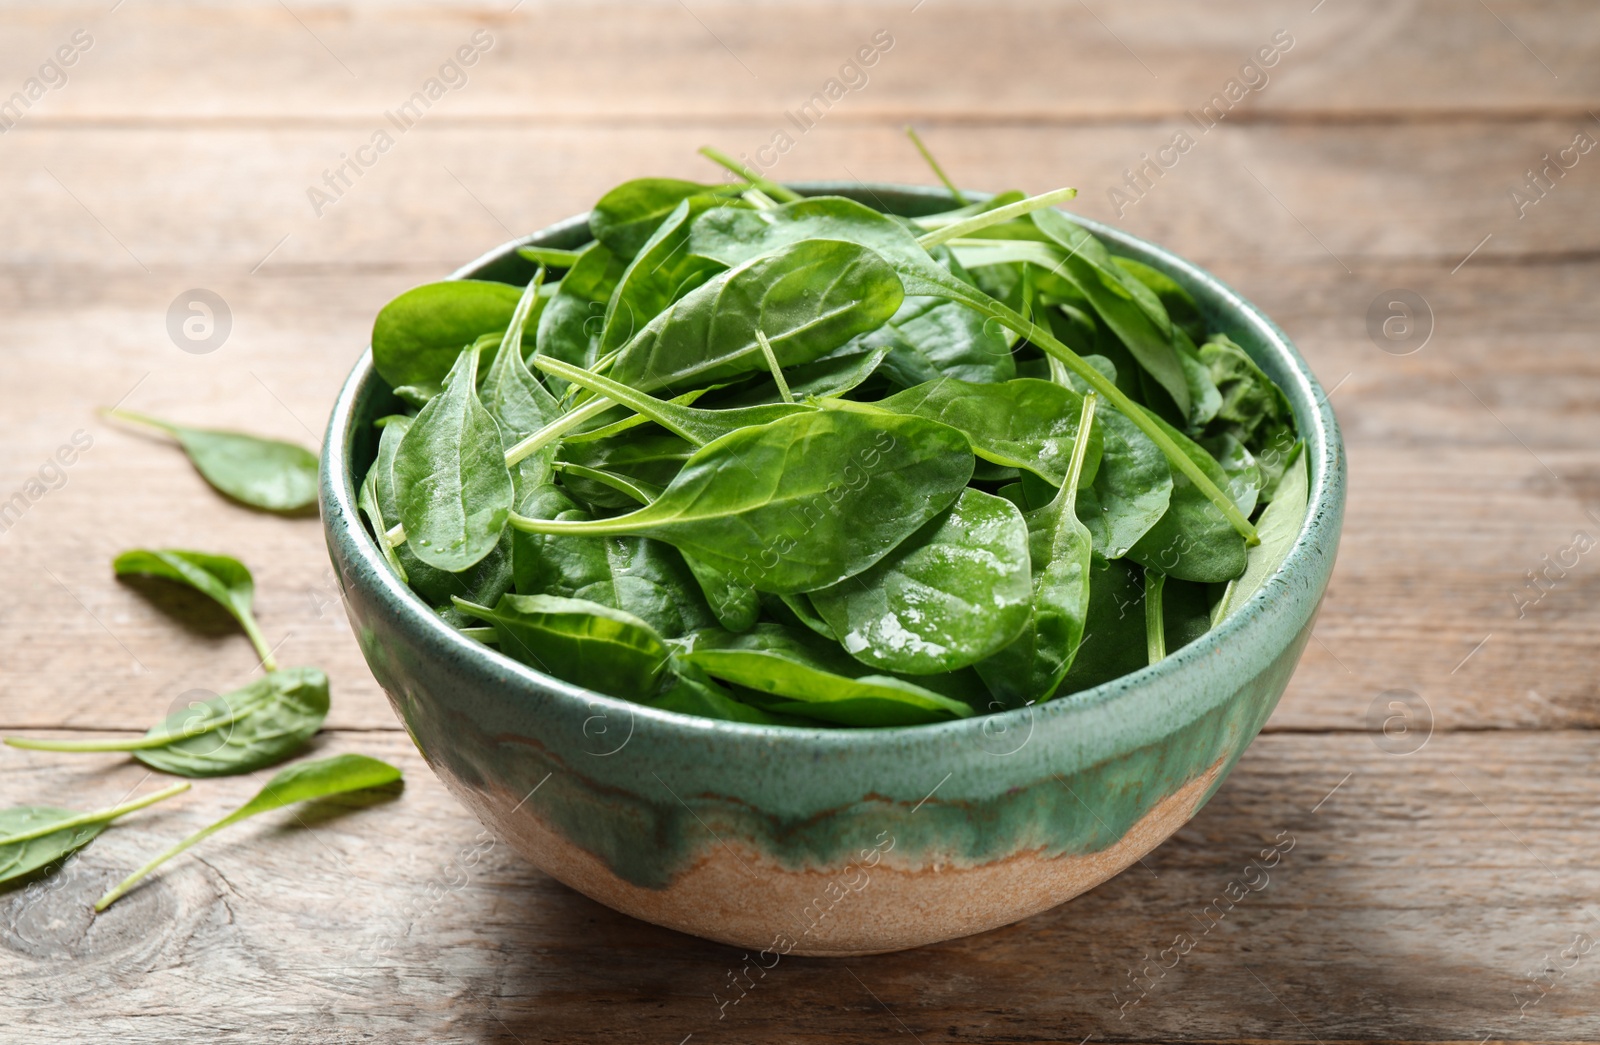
{"x":837,"y":841}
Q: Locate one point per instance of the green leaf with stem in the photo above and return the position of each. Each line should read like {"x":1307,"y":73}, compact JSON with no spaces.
{"x":262,"y":473}
{"x":454,"y":488}
{"x":585,"y":643}
{"x":32,"y":837}
{"x":800,"y":503}
{"x":978,"y":222}
{"x":261,"y":723}
{"x":221,"y":577}
{"x":298,"y":783}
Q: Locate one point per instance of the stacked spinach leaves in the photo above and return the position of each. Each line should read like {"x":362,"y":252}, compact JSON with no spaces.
{"x":792,"y":460}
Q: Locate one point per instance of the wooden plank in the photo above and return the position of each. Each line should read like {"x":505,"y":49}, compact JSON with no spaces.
{"x":668,"y":62}
{"x":1423,"y":897}
{"x":241,"y":201}
{"x":1447,"y":512}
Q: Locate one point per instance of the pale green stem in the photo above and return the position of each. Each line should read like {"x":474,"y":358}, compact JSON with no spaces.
{"x":916,"y":139}
{"x":99,"y":817}
{"x":611,"y":392}
{"x":772,"y":364}
{"x":129,"y":882}
{"x":557,"y":428}
{"x":551,"y":256}
{"x":1155,"y":628}
{"x":766,"y":185}
{"x":263,"y":649}
{"x":994,"y":217}
{"x":1080,"y":451}
{"x":141,"y":419}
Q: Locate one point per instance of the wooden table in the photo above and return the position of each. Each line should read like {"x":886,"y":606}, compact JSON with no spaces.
{"x":1444,"y":876}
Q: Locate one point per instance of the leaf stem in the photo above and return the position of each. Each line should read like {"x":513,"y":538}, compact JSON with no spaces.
{"x":247,"y":620}
{"x":916,"y":139}
{"x":128,"y":883}
{"x":994,"y":217}
{"x":551,"y":256}
{"x":609,"y":391}
{"x":772,"y":364}
{"x":140,"y":419}
{"x":771,"y":188}
{"x":1080,"y":451}
{"x":557,"y":428}
{"x":98,"y":817}
{"x":1155,"y":627}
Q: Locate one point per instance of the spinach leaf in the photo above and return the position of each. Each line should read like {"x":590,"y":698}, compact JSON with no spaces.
{"x":417,"y":336}
{"x":32,"y":837}
{"x":261,"y":723}
{"x":570,"y":325}
{"x":949,"y":595}
{"x":663,"y":271}
{"x":579,"y":641}
{"x":1032,"y":667}
{"x":1114,"y":637}
{"x":1280,"y":525}
{"x":454,"y":488}
{"x":1179,"y":306}
{"x":1023,"y":423}
{"x":735,"y":603}
{"x":262,"y":473}
{"x":814,"y":680}
{"x":625,"y":218}
{"x":940,"y":338}
{"x":519,"y":404}
{"x":298,"y":783}
{"x":221,"y":577}
{"x":693,"y":692}
{"x":1131,"y":490}
{"x":807,"y":298}
{"x":1129,"y":308}
{"x":485,"y":582}
{"x":1193,"y":540}
{"x":800,"y":503}
{"x":637,"y":575}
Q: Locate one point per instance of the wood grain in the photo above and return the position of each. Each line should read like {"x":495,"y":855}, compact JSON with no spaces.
{"x":1409,"y":901}
{"x":1428,"y":896}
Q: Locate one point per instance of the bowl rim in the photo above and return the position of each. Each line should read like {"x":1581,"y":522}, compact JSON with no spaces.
{"x":1317,"y":426}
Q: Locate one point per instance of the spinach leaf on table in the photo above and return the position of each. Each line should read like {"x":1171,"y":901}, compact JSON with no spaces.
{"x":220,"y":577}
{"x":34,"y":837}
{"x":582,"y":642}
{"x":261,"y":723}
{"x":298,"y":783}
{"x":262,"y":473}
{"x":800,"y":503}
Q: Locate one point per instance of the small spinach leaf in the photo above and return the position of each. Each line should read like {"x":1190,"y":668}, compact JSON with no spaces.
{"x":262,"y":473}
{"x":32,"y":837}
{"x":417,"y":336}
{"x":298,"y":783}
{"x":221,"y":577}
{"x":580,"y":641}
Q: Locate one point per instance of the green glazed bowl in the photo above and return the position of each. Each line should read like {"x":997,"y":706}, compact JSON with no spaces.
{"x":837,"y":841}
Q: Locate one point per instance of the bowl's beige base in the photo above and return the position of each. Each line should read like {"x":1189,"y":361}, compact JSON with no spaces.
{"x":747,"y":900}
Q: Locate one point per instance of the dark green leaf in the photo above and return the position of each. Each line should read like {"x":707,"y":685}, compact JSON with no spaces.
{"x":583,"y":642}
{"x":418,"y":336}
{"x":1279,"y":527}
{"x":813,"y":680}
{"x":263,"y":473}
{"x":34,"y":837}
{"x":221,"y":577}
{"x":1192,"y":541}
{"x":450,"y":474}
{"x":625,"y":217}
{"x":803,"y":502}
{"x":951,"y":594}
